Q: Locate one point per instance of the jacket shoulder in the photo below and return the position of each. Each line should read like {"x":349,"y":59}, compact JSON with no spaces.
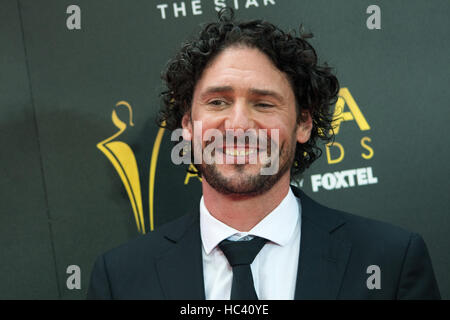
{"x":153,"y":243}
{"x":129,"y":270}
{"x":361,"y":227}
{"x":351,"y":226}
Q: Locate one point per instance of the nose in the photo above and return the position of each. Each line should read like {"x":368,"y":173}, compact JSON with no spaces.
{"x":240,"y":117}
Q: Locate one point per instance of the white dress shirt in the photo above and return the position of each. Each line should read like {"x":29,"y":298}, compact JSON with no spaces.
{"x":274,"y":269}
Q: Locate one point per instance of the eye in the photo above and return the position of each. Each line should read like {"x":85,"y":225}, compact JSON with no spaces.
{"x":264,"y":105}
{"x":218,"y":102}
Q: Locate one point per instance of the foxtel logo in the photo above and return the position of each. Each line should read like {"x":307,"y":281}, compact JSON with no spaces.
{"x":343,"y":179}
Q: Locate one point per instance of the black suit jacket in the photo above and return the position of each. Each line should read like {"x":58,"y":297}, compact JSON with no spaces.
{"x":335,"y":251}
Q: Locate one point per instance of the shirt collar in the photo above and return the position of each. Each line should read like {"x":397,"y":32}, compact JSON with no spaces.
{"x":278,"y":226}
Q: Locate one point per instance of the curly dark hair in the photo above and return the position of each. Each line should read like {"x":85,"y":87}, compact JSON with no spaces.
{"x":314,"y":86}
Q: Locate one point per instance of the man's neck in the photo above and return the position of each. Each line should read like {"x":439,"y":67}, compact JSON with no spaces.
{"x":243,"y":213}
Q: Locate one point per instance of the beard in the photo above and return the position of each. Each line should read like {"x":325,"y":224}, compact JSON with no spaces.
{"x":243,"y":183}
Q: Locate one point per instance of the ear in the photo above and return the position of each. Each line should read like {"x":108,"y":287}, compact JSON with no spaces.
{"x":304,"y":127}
{"x":186,"y":123}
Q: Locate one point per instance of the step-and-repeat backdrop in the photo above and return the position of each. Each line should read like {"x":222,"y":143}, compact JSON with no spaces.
{"x":84,"y":167}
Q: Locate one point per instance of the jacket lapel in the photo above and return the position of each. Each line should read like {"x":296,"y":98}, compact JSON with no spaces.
{"x":323,"y":257}
{"x":180,"y":269}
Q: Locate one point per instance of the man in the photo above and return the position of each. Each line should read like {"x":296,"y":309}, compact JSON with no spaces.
{"x":253,"y":236}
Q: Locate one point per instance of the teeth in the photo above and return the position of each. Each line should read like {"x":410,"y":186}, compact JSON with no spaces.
{"x":235,"y":152}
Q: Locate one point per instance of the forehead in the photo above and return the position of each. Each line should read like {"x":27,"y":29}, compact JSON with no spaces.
{"x":243,"y":68}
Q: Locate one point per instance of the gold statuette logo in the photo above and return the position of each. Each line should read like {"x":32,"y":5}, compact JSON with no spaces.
{"x":124,"y":161}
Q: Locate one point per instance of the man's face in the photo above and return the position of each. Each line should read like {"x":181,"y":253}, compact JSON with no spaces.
{"x":242,"y":89}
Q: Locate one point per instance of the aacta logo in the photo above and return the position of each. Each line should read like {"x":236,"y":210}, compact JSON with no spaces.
{"x":124,"y":161}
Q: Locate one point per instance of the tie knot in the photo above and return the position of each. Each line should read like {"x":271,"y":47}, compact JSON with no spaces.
{"x":242,"y":252}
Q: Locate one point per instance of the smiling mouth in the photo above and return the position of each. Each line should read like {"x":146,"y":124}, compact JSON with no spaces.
{"x":239,"y":152}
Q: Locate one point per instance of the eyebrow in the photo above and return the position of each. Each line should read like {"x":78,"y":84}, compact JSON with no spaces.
{"x":220,"y":89}
{"x":253,"y":91}
{"x":270,"y":93}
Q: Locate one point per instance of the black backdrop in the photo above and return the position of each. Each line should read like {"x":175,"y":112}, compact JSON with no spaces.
{"x":76,"y":180}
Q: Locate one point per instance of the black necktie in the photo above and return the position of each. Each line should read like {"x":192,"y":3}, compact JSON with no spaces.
{"x":240,"y":255}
